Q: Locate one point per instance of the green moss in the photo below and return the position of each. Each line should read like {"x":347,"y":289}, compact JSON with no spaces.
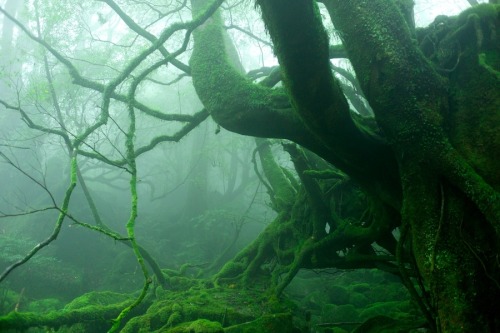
{"x":473,"y":122}
{"x":305,"y":68}
{"x":334,"y":313}
{"x":358,"y":300}
{"x":314,"y":300}
{"x":74,"y":168}
{"x":17,"y":319}
{"x":485,"y":59}
{"x":45,"y":305}
{"x":177,"y":310}
{"x":230,"y":268}
{"x":488,"y":12}
{"x":160,"y":292}
{"x":89,"y":318}
{"x":205,"y":326}
{"x":176,"y":307}
{"x":197,"y":326}
{"x":224,"y":91}
{"x":283,"y":193}
{"x":174,"y":319}
{"x":360,"y":287}
{"x":338,"y":295}
{"x":266,"y":324}
{"x":384,"y":324}
{"x":180,"y":282}
{"x":394,"y":309}
{"x":97,"y":298}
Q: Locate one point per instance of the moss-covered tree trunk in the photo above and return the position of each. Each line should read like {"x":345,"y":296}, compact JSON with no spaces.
{"x":444,"y":131}
{"x":435,"y":96}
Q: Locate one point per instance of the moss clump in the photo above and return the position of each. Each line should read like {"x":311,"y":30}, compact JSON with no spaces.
{"x":383,"y":324}
{"x":205,"y":326}
{"x":488,"y":13}
{"x":88,"y":318}
{"x":174,"y":319}
{"x":97,"y":298}
{"x":176,"y":307}
{"x":281,"y":322}
{"x":197,"y":326}
{"x":45,"y":305}
{"x":179,"y":311}
{"x":360,"y":287}
{"x":338,"y":295}
{"x":333,"y":313}
{"x":358,"y":300}
{"x":394,"y":309}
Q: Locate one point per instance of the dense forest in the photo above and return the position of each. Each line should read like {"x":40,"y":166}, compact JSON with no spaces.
{"x":249,"y":166}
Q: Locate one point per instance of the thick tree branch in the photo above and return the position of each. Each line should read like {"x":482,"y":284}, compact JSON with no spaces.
{"x":240,"y":106}
{"x":232,"y":100}
{"x":97,"y":314}
{"x":317,"y":200}
{"x":283,"y":193}
{"x":407,"y":95}
{"x":301,"y":45}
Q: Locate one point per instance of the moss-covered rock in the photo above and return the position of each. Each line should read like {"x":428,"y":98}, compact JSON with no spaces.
{"x":314,"y":300}
{"x":281,"y":322}
{"x":384,"y":324}
{"x":45,"y":305}
{"x":358,"y":300}
{"x":395,"y":309}
{"x":97,"y":298}
{"x":338,"y":295}
{"x":334,"y":313}
{"x":197,"y":326}
{"x":360,"y":287}
{"x":176,"y":311}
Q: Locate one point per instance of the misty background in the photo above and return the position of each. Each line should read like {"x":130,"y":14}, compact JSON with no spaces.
{"x":200,"y":199}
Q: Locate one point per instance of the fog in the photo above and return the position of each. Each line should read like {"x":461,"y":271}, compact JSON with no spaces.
{"x":149,"y":166}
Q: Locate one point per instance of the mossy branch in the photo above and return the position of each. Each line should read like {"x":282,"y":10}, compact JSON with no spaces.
{"x":130,"y":226}
{"x":234,"y":101}
{"x":56,"y":319}
{"x":317,"y":200}
{"x":282,"y":190}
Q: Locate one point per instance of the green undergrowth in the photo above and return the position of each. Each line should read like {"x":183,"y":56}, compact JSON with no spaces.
{"x":206,"y":308}
{"x":191,"y":306}
{"x":343,"y":304}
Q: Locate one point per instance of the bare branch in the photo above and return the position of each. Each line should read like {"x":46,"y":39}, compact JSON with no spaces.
{"x":57,"y":228}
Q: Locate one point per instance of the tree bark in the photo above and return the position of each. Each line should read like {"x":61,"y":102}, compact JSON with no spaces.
{"x":449,"y":192}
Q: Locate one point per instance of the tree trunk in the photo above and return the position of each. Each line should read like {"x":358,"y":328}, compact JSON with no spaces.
{"x":434,"y":94}
{"x":449,"y":181}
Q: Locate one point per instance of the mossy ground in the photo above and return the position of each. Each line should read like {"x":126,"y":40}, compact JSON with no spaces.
{"x":199,"y":306}
{"x":204,"y":307}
